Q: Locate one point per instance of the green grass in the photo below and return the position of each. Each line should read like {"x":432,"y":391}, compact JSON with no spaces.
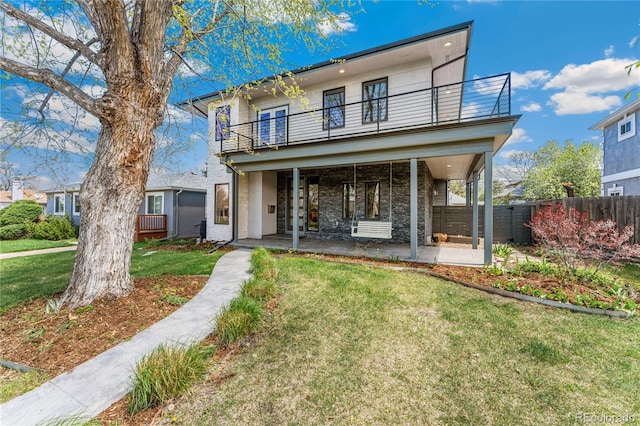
{"x":29,"y":244}
{"x":355,"y":345}
{"x":20,"y":383}
{"x":25,"y":278}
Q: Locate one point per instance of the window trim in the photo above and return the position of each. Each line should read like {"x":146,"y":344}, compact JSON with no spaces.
{"x":75,"y":197}
{"x":55,"y":204}
{"x":146,"y":201}
{"x":631,"y":120}
{"x":273,"y":125}
{"x":348,"y":211}
{"x":385,"y":97}
{"x":616,"y":190}
{"x":366,"y":200}
{"x":215,"y":204}
{"x":326,"y":116}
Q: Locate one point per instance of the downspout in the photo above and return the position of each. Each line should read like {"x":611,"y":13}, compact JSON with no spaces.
{"x":176,"y":213}
{"x":234,"y":228}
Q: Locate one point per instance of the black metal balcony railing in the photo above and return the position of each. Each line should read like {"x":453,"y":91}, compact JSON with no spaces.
{"x":466,"y":101}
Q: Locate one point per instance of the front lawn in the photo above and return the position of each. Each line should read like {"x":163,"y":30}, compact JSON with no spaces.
{"x":27,"y":244}
{"x":351,"y":344}
{"x":45,"y":275}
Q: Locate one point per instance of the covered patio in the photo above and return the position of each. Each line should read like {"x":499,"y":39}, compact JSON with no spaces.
{"x":449,"y":254}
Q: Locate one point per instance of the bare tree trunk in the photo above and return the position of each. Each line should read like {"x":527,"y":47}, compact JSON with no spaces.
{"x":110,"y":197}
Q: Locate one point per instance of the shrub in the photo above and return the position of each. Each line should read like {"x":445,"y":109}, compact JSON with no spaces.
{"x":263,"y":266}
{"x":260,"y":290}
{"x":13,"y":232}
{"x":19,"y":212}
{"x":165,"y":373}
{"x":573,"y":238}
{"x":53,"y":228}
{"x":238,"y":320}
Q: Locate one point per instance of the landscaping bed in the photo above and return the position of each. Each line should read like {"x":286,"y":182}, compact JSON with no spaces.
{"x":57,"y":342}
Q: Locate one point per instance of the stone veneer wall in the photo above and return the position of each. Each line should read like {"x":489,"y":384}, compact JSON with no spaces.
{"x":333,"y":226}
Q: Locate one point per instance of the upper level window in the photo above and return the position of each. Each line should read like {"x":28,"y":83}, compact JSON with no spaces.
{"x":223,"y":121}
{"x":58,"y":204}
{"x":76,"y":204}
{"x":272,"y":125}
{"x":333,"y":106}
{"x":627,"y":127}
{"x":374,"y":101}
{"x":155,"y":203}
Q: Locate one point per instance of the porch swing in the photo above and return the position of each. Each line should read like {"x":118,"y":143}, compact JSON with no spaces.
{"x":371,"y":228}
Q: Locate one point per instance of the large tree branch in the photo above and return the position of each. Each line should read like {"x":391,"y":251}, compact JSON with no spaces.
{"x":188,"y":36}
{"x":54,"y":81}
{"x":70,"y":42}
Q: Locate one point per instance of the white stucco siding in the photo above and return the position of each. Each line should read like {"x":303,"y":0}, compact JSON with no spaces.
{"x":269,"y":198}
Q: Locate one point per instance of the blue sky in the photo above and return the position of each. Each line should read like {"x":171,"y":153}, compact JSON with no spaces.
{"x":567,"y":62}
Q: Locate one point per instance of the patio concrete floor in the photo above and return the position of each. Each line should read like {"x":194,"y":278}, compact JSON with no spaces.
{"x":449,"y":254}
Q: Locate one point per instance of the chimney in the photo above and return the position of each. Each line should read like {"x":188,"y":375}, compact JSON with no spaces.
{"x":17,"y":187}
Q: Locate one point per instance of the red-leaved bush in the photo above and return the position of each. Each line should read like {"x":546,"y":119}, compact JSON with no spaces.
{"x":574,"y":239}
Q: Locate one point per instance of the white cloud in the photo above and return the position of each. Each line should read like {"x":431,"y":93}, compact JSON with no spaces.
{"x":531,"y":107}
{"x":341,"y":24}
{"x":529,"y":79}
{"x":609,"y":51}
{"x":634,"y":41}
{"x":507,"y":153}
{"x":518,"y":135}
{"x":585,"y":88}
{"x":565,"y":103}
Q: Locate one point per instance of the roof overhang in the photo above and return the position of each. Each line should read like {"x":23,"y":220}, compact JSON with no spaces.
{"x":616,"y":116}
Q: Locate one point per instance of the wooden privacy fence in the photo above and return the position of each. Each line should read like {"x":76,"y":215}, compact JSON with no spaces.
{"x":623,"y":210}
{"x":508,"y":221}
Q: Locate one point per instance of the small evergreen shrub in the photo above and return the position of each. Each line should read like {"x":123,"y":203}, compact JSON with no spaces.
{"x":165,"y":373}
{"x":53,"y":228}
{"x":260,"y":290}
{"x":263,"y":266}
{"x":19,"y":212}
{"x":13,"y":232}
{"x":238,"y":320}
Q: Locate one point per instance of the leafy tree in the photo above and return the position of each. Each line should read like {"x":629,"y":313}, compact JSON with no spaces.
{"x":553,"y":166}
{"x":132,"y":52}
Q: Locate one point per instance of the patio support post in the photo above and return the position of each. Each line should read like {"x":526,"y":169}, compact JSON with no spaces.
{"x":474,"y":243}
{"x":296,"y":207}
{"x":234,"y":204}
{"x":413,"y":207}
{"x":488,"y":207}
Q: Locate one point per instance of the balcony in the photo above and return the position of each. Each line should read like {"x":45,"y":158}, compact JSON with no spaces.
{"x":467,"y":101}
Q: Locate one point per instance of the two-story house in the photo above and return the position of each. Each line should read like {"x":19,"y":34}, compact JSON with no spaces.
{"x":361,"y":158}
{"x":621,"y":151}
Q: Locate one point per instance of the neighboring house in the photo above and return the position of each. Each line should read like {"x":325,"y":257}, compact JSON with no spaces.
{"x":621,"y":151}
{"x":173,"y":206}
{"x":19,"y":192}
{"x":362,"y":159}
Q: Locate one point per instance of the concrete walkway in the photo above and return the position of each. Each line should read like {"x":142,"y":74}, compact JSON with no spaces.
{"x":34,"y":252}
{"x":93,"y":386}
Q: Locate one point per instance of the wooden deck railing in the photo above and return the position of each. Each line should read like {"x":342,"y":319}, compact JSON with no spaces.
{"x":151,"y":226}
